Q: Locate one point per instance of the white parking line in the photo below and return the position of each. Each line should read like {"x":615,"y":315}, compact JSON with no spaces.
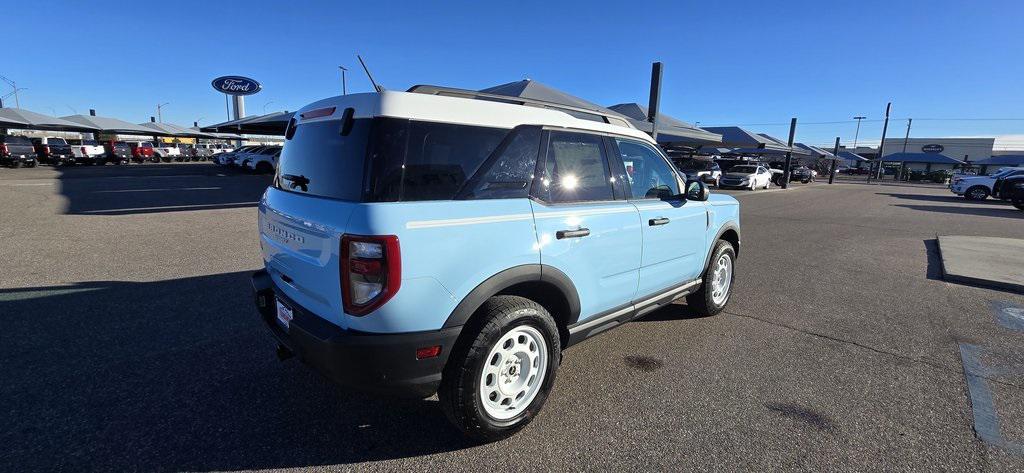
{"x":160,"y":190}
{"x":26,"y":185}
{"x":170,"y":207}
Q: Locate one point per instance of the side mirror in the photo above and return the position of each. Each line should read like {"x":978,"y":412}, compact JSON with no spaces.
{"x":697,"y":190}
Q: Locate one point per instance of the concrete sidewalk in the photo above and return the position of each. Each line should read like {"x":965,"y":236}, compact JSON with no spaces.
{"x":984,"y":261}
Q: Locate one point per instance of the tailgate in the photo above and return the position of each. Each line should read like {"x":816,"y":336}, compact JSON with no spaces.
{"x":300,"y":237}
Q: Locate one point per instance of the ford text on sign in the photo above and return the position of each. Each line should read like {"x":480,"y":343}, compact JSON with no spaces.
{"x":236,"y":85}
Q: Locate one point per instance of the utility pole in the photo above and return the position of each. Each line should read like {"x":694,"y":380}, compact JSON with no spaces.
{"x":344,"y":89}
{"x":789,"y":154}
{"x":14,"y":86}
{"x":835,"y":162}
{"x":159,"y":107}
{"x":881,"y":145}
{"x":856,"y":134}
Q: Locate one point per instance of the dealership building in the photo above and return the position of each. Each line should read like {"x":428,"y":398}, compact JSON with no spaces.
{"x":961,"y":149}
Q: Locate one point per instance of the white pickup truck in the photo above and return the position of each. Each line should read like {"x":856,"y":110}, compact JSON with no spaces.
{"x":166,"y":151}
{"x":980,"y":187}
{"x":87,"y":151}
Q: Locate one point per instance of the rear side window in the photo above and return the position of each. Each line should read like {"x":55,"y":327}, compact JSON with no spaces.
{"x":416,"y":161}
{"x":319,"y":161}
{"x":508,"y":174}
{"x":575,"y":169}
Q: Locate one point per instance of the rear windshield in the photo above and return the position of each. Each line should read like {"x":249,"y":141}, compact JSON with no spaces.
{"x":407,"y":160}
{"x":56,"y":141}
{"x":89,"y":142}
{"x":15,"y":140}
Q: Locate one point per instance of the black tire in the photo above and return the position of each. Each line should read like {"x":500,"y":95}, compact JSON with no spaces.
{"x":264,"y":167}
{"x":16,"y":164}
{"x":977,"y":193}
{"x":155,"y":159}
{"x":461,"y":380}
{"x":31,"y":165}
{"x":702,"y":301}
{"x":1019,"y":204}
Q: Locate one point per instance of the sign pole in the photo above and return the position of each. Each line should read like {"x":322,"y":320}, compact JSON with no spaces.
{"x":835,"y":162}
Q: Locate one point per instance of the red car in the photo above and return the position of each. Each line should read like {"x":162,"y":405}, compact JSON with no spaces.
{"x":142,"y":151}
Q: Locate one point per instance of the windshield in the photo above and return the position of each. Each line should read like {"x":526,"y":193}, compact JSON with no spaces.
{"x":744,"y":169}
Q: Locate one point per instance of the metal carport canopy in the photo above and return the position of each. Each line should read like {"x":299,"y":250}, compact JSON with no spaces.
{"x":670,"y":129}
{"x":926,"y":158}
{"x":168,"y":129}
{"x":853,"y":157}
{"x":21,"y":118}
{"x":736,"y":137}
{"x":270,"y":124}
{"x":109,"y":125}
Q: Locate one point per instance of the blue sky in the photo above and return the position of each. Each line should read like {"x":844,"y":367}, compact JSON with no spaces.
{"x":745,"y":62}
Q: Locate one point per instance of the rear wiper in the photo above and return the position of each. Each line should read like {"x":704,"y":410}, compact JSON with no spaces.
{"x":297,"y":181}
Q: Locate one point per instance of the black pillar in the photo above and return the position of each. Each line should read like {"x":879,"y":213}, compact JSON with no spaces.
{"x":789,"y":154}
{"x":881,"y":145}
{"x":655,"y":99}
{"x":835,"y":162}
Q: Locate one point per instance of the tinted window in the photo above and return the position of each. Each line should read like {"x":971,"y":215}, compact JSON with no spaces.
{"x":15,"y":140}
{"x":319,"y":161}
{"x":509,"y":173}
{"x":743,"y":169}
{"x":56,"y":141}
{"x":90,"y":142}
{"x":575,"y":169}
{"x":426,"y":161}
{"x":650,"y":176}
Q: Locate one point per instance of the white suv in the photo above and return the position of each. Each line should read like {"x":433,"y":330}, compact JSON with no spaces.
{"x":980,"y":187}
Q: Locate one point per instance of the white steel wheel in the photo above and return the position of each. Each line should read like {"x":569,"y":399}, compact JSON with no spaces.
{"x":513,"y":372}
{"x":721,"y":279}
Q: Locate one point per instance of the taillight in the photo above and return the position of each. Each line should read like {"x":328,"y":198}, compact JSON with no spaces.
{"x":371,"y":272}
{"x":3,"y":148}
{"x":83,"y":150}
{"x":46,"y":149}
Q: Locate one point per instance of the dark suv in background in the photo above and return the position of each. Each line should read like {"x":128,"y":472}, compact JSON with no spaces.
{"x":17,"y":151}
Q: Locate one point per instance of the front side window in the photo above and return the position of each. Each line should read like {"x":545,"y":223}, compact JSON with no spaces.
{"x":575,"y":169}
{"x":650,"y":176}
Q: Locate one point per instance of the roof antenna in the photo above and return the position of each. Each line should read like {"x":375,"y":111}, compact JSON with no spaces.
{"x":376,"y":87}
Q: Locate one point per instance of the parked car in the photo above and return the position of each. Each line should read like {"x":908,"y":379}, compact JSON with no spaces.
{"x":166,"y":152}
{"x":53,"y":151}
{"x":218,"y":148}
{"x":142,"y":151}
{"x":17,"y":151}
{"x":1011,"y":188}
{"x":226,"y":157}
{"x":87,"y":151}
{"x":186,"y":152}
{"x":475,"y":275}
{"x":203,"y":152}
{"x":240,"y":157}
{"x":980,"y":187}
{"x":748,"y":176}
{"x":857,"y":171}
{"x":265,"y":153}
{"x":700,"y":169}
{"x":265,"y":162}
{"x":117,"y":152}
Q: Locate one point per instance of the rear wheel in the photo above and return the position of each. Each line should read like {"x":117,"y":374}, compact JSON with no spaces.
{"x":716,"y":289}
{"x":1019,"y":204}
{"x":264,"y":167}
{"x":16,"y":164}
{"x":977,"y":193}
{"x":498,"y":378}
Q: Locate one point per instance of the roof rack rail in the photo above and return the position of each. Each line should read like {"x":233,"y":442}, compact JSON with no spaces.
{"x":577,"y":112}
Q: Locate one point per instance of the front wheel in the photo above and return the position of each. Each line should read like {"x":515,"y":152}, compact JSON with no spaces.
{"x":1019,"y":204}
{"x":499,"y":376}
{"x":977,"y":193}
{"x":716,"y":289}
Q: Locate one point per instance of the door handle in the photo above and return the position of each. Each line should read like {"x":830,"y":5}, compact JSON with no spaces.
{"x":657,"y":221}
{"x":572,"y":233}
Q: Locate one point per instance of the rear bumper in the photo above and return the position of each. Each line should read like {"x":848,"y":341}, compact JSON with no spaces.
{"x":381,"y":363}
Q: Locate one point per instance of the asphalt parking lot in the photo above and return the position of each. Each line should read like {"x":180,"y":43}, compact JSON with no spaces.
{"x":130,"y":342}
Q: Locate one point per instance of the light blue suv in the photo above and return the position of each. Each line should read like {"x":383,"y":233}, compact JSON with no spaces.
{"x":450,"y":242}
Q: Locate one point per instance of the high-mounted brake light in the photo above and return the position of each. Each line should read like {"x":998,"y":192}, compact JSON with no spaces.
{"x":371,"y":272}
{"x":320,"y":112}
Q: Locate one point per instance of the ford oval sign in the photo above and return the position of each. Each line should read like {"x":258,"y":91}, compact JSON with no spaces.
{"x":236,"y":85}
{"x":932,"y":148}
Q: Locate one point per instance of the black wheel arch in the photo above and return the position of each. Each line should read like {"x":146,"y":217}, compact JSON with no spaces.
{"x":729,"y":232}
{"x":543,"y":284}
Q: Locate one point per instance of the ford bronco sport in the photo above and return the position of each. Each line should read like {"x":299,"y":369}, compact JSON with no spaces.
{"x":453,"y":242}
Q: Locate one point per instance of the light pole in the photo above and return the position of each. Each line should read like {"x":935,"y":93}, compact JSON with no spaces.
{"x":344,"y":90}
{"x":265,"y":106}
{"x":159,"y":107}
{"x":14,"y":92}
{"x":857,"y":133}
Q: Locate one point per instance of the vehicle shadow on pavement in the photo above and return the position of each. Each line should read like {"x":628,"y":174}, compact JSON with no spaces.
{"x":1008,"y":212}
{"x":180,"y":375}
{"x":151,"y":188}
{"x":676,"y":311}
